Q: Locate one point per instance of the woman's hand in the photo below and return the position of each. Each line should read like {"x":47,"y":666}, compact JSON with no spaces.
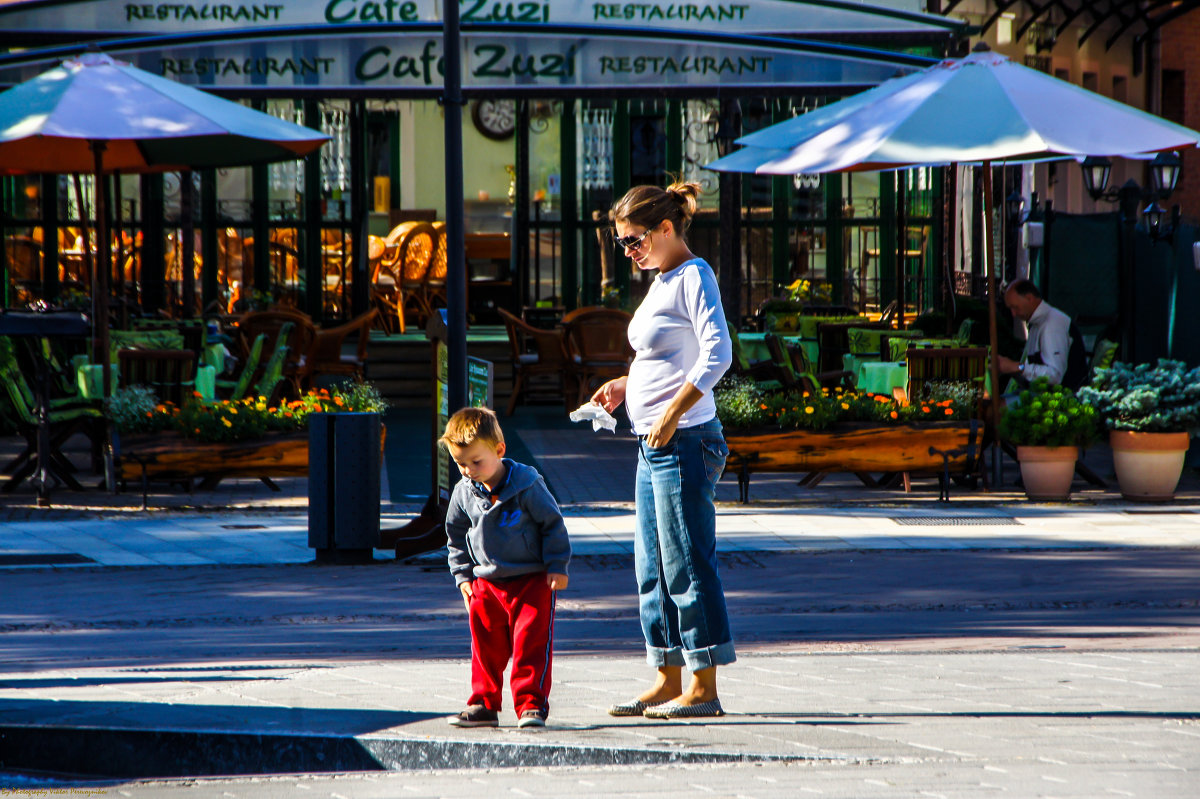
{"x":611,"y":394}
{"x":664,"y":426}
{"x":661,"y":432}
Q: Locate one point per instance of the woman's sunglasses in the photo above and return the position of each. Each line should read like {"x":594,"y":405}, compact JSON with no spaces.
{"x":633,"y":242}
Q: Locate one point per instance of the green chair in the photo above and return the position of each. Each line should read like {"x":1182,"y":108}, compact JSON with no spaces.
{"x":236,"y":389}
{"x":765,"y":374}
{"x":270,"y":383}
{"x":18,"y":406}
{"x":797,"y":370}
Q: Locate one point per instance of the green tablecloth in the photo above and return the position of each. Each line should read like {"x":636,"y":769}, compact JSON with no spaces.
{"x":880,"y":377}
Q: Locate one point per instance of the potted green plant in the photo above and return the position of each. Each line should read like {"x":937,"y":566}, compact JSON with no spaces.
{"x":1048,"y":424}
{"x":1149,"y":411}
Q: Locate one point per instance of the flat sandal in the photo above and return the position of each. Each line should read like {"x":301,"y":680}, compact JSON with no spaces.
{"x":633,"y":708}
{"x":674,"y":710}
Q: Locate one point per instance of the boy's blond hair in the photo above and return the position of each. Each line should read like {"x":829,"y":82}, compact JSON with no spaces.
{"x":469,"y":425}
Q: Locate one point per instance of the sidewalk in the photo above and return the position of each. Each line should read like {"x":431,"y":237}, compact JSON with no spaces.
{"x":891,"y":673}
{"x":889,"y":646}
{"x":178,"y":538}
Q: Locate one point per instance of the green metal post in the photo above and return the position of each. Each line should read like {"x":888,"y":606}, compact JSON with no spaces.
{"x":50,"y":227}
{"x":314,"y":273}
{"x":835,"y":232}
{"x":621,"y":182}
{"x":569,"y":213}
{"x":260,"y":191}
{"x":888,"y":288}
{"x":209,"y":253}
{"x":674,"y":137}
{"x":781,"y":222}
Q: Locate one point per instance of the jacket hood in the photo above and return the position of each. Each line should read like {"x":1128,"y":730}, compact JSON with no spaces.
{"x":520,"y":477}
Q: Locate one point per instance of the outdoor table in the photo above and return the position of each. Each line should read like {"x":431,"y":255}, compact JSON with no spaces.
{"x":64,"y":324}
{"x":90,"y":379}
{"x":754,"y":345}
{"x":880,"y":377}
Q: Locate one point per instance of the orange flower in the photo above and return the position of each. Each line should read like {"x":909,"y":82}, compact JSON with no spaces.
{"x":894,"y":415}
{"x":949,"y":411}
{"x":924,"y":409}
{"x":197,"y":394}
{"x":763,"y":406}
{"x":288,"y":414}
{"x":845,"y":407}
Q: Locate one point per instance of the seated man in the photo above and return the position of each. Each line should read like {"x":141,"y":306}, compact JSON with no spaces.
{"x":1053,"y":347}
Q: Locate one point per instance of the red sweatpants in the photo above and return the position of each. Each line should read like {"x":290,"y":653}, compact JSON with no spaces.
{"x":513,"y":618}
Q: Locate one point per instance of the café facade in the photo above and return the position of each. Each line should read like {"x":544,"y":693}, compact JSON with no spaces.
{"x":568,"y":104}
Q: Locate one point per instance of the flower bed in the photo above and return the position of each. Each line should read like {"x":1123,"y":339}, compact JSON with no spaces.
{"x":846,"y":431}
{"x":215,"y":440}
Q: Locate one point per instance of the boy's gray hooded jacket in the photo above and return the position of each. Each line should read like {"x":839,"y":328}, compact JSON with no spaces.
{"x":522,"y":533}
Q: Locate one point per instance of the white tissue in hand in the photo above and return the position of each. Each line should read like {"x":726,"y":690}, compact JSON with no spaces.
{"x":599,"y":417}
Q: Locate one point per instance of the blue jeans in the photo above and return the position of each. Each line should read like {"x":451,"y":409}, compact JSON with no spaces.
{"x":680,"y":596}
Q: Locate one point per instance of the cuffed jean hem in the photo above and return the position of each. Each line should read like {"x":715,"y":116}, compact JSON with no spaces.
{"x":692,"y":659}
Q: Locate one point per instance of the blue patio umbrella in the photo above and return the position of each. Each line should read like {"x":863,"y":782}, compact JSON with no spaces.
{"x":977,"y":109}
{"x":94,"y":114}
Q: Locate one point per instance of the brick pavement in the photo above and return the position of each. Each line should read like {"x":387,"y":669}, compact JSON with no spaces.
{"x":890,"y":646}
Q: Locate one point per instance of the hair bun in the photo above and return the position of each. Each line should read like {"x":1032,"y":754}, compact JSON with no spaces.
{"x":687,"y":194}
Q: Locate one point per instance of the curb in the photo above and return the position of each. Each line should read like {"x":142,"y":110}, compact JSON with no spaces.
{"x":141,"y":754}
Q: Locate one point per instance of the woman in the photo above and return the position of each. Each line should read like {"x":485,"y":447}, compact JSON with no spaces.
{"x":682,"y":348}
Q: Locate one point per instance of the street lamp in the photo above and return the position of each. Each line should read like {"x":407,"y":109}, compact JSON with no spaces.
{"x":1153,"y":215}
{"x":1164,"y":173}
{"x":1096,"y":170}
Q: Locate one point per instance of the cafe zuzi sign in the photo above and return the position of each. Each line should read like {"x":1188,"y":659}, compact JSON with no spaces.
{"x":120,"y":18}
{"x":413,"y":60}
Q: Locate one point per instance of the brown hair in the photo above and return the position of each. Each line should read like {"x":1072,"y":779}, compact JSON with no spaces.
{"x":649,"y":205}
{"x":469,"y":425}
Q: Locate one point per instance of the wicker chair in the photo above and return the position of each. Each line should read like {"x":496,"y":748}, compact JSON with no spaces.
{"x":536,"y":353}
{"x":597,"y":347}
{"x":399,"y":276}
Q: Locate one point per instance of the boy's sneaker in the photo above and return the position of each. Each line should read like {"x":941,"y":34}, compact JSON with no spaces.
{"x":475,"y":716}
{"x":532,"y":718}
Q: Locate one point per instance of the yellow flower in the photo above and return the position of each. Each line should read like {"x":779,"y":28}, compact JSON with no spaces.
{"x":227,"y":423}
{"x":233,"y":410}
{"x":845,"y":407}
{"x":808,"y":409}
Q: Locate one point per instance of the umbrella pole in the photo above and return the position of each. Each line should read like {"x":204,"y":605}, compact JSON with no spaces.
{"x":992,"y":288}
{"x":102,"y":268}
{"x":119,"y":270}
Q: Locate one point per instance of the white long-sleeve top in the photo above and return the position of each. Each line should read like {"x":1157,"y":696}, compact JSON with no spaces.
{"x":679,"y":335}
{"x":1048,"y":336}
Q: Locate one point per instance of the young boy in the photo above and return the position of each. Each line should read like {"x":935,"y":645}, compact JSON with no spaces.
{"x":508,"y":554}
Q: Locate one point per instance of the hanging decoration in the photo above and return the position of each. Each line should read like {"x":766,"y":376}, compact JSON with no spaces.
{"x":594,"y":147}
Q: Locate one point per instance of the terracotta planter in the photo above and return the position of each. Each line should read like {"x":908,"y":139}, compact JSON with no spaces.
{"x":1047,"y":471}
{"x":1148,"y":465}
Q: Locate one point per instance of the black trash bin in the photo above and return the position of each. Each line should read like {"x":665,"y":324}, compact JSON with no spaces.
{"x":343,"y":486}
